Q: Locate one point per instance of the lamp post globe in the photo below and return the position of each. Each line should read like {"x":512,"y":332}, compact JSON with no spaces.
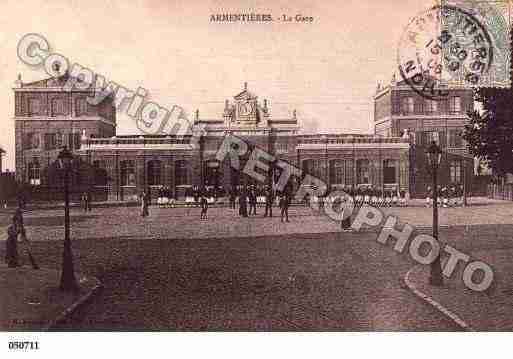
{"x":434,"y":155}
{"x":68,"y":280}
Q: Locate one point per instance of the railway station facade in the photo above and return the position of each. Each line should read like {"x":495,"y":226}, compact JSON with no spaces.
{"x":49,"y":116}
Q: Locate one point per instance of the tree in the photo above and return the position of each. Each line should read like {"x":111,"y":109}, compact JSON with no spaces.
{"x":489,"y":131}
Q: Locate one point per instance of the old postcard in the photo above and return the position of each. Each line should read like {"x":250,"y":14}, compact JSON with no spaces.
{"x":255,"y":166}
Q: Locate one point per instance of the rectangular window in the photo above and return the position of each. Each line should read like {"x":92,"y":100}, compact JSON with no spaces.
{"x":49,"y":141}
{"x":455,"y":139}
{"x":432,"y":136}
{"x":74,"y":141}
{"x":455,"y":171}
{"x":58,"y":106}
{"x":455,"y":104}
{"x":408,"y":105}
{"x":389,"y":171}
{"x":34,"y":106}
{"x":281,"y":147}
{"x":34,"y":173}
{"x":431,"y":106}
{"x":81,"y":106}
{"x":127,"y":173}
{"x":337,"y":171}
{"x":362,"y":172}
{"x":32,"y":141}
{"x":52,"y":141}
{"x":181,"y":173}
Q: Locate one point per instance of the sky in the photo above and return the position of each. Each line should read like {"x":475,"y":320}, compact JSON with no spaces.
{"x":327,"y":69}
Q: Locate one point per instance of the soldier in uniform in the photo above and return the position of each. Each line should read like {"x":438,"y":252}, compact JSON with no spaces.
{"x":395,"y":197}
{"x":429,"y":196}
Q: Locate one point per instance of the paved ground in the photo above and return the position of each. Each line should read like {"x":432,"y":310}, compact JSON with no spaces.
{"x":31,"y":299}
{"x":174,"y":272}
{"x":309,"y":282}
{"x":224,"y":223}
{"x":488,"y":311}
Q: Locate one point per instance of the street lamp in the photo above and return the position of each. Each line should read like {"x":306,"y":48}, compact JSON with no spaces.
{"x":434,"y":155}
{"x":68,"y":280}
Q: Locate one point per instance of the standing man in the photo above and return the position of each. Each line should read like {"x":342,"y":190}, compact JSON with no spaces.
{"x":232,"y":198}
{"x":269,"y":198}
{"x":89,"y":200}
{"x":284,"y":206}
{"x":243,"y":203}
{"x":144,"y":204}
{"x":11,"y":245}
{"x":346,"y":217}
{"x":252,"y":200}
{"x":204,"y":207}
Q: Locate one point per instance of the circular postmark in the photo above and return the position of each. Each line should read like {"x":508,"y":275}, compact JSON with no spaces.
{"x":441,"y":47}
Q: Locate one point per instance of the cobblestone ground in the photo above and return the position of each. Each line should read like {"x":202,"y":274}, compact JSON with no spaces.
{"x":491,"y":310}
{"x":172,"y":271}
{"x":223,"y":222}
{"x":307,"y":282}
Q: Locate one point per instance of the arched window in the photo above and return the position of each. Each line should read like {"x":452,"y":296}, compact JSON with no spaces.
{"x":154,"y":173}
{"x":337,"y":172}
{"x":181,"y":173}
{"x":34,"y":173}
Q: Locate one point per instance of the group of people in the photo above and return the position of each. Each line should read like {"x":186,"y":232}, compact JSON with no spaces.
{"x":447,"y":196}
{"x":250,"y":196}
{"x":369,"y":195}
{"x":87,"y":199}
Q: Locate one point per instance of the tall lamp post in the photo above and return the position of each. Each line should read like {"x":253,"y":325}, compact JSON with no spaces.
{"x":68,"y":280}
{"x":434,"y":155}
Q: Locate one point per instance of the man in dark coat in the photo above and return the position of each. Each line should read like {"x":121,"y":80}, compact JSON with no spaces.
{"x":284,"y":206}
{"x":243,"y":203}
{"x":269,"y":198}
{"x":233,"y":195}
{"x":252,"y":196}
{"x":11,"y":245}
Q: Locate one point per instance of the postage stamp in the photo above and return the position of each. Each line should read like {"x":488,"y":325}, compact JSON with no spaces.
{"x":456,"y":44}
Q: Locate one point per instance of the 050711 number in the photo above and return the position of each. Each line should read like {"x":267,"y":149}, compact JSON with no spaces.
{"x":27,"y":345}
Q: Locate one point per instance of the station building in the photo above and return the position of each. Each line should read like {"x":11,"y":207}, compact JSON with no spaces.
{"x":48,"y":116}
